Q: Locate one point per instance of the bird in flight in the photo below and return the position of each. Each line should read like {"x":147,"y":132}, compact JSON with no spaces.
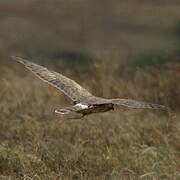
{"x":84,"y":102}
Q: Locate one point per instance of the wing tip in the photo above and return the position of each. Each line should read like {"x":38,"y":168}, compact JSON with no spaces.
{"x":139,"y":104}
{"x":18,"y":59}
{"x":15,"y":58}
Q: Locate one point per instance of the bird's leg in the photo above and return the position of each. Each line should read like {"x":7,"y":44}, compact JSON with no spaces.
{"x":113,"y":108}
{"x":80,"y":117}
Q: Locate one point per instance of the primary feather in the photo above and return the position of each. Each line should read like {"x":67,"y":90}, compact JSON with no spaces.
{"x":69,"y":87}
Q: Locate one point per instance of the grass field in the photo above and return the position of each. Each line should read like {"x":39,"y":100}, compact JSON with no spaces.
{"x":126,"y":49}
{"x":124,"y":144}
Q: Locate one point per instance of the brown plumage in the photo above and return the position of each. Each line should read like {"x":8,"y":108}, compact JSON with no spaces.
{"x":85,"y":102}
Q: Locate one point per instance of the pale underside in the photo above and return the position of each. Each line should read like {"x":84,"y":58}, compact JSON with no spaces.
{"x":84,"y":102}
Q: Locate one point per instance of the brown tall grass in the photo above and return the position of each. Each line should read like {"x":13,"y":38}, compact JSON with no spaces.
{"x":125,"y":144}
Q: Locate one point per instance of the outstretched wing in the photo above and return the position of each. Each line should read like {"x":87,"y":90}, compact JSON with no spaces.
{"x":136,"y":104}
{"x":69,"y":87}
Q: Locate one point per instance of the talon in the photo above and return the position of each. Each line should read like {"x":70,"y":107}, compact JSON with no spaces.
{"x":62,"y":111}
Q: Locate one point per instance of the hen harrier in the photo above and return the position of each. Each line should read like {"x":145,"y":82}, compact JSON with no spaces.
{"x":84,"y":102}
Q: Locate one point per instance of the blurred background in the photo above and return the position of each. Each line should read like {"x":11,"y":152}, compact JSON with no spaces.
{"x":125,"y":48}
{"x":105,"y":32}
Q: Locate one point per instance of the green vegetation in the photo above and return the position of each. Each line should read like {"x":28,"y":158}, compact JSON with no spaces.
{"x":149,"y":59}
{"x":177,"y":29}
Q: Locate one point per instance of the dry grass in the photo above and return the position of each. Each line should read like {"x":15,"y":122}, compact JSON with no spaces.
{"x":127,"y":144}
{"x":124,"y":145}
